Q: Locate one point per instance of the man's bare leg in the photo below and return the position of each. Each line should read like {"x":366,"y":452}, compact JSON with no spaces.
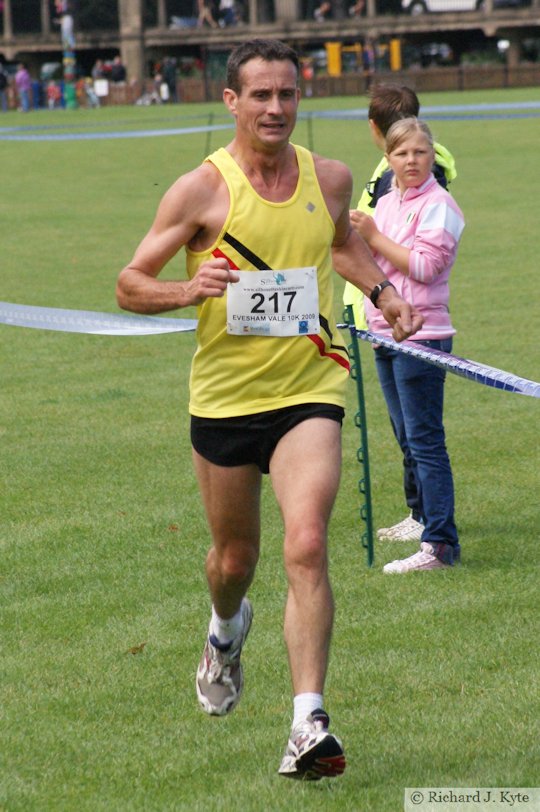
{"x":305,"y":470}
{"x":231,"y":500}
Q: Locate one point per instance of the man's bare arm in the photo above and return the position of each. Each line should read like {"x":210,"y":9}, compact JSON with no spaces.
{"x":351,"y":256}
{"x":185,"y":211}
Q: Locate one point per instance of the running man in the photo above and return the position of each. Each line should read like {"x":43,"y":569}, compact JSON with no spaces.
{"x":262,"y":222}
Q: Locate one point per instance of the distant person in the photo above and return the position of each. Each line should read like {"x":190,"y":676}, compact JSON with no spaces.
{"x":98,"y":71}
{"x":206,"y":15}
{"x":308,"y":74}
{"x":414,"y":236}
{"x":4,"y":84}
{"x":118,"y":71}
{"x":54,"y":95}
{"x":388,"y":104}
{"x":266,"y":396}
{"x":157,"y":87}
{"x":91,"y":95}
{"x":357,"y":9}
{"x":23,"y":83}
{"x":64,"y":10}
{"x":170,"y":78}
{"x":323,"y":12}
{"x":368,"y":61}
{"x":227,"y":14}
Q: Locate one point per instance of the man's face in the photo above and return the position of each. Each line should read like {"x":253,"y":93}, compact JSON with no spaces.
{"x":266,"y":107}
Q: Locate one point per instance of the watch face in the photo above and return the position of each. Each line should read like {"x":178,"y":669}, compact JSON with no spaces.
{"x":374,"y":295}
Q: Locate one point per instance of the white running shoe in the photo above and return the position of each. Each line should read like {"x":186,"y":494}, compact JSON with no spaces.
{"x":424,"y":559}
{"x":407,"y":530}
{"x":312,"y":752}
{"x":219,"y":677}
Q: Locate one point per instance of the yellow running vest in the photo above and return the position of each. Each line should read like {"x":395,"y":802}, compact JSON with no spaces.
{"x":237,"y":375}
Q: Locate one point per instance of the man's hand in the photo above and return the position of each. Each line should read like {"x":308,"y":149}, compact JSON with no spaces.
{"x":210,"y":281}
{"x":140,"y":292}
{"x":404,"y":319}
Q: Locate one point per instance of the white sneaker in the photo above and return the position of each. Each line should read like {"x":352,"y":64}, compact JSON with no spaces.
{"x":220,"y":678}
{"x":407,"y":530}
{"x":424,"y":559}
{"x":312,"y":752}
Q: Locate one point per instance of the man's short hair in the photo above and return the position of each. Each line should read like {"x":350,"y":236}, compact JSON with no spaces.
{"x":269,"y":50}
{"x":391,"y":102}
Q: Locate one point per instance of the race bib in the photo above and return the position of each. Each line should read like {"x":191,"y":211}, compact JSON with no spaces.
{"x":274,"y":303}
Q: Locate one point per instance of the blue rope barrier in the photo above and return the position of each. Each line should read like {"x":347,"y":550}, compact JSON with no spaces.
{"x":464,"y":367}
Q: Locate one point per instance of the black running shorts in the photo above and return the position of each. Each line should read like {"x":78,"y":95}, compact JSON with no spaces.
{"x":251,"y":439}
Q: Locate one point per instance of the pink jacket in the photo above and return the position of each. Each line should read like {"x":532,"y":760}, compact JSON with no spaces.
{"x":23,"y":80}
{"x":428,"y":221}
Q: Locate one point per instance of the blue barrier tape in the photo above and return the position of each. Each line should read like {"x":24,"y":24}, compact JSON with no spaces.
{"x":6,"y":135}
{"x":118,"y":324}
{"x":481,"y":373}
{"x":90,"y":321}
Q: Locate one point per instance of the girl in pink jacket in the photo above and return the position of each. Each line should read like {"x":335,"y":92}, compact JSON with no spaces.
{"x":414,"y":237}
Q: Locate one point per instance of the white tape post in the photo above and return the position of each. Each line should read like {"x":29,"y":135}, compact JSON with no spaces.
{"x":89,"y":321}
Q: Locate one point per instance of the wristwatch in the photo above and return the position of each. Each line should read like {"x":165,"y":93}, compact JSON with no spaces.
{"x":377,"y":290}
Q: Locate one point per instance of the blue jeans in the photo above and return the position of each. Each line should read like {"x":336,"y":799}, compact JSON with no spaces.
{"x":414,"y":394}
{"x":24,"y":97}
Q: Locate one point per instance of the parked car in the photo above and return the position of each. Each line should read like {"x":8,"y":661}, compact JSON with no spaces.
{"x":422,"y":6}
{"x":428,"y":55}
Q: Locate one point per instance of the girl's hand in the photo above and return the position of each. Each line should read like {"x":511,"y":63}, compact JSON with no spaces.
{"x":364,"y":225}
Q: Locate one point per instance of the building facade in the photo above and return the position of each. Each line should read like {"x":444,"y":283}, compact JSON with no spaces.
{"x":144,"y":31}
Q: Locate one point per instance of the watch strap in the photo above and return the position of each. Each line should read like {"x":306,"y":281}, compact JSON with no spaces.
{"x":377,"y":290}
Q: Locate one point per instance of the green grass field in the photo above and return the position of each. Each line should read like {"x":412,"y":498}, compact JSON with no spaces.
{"x":434,"y":676}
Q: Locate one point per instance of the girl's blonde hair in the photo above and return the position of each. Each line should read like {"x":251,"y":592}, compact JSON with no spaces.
{"x":403,"y":129}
